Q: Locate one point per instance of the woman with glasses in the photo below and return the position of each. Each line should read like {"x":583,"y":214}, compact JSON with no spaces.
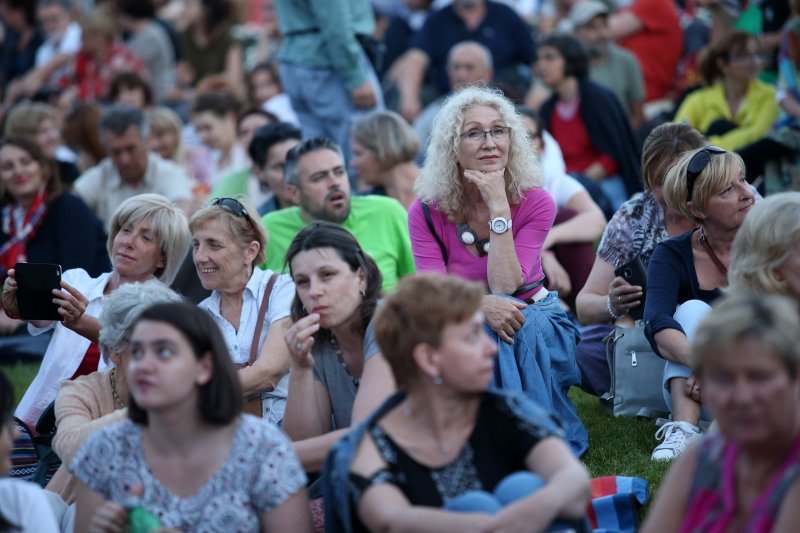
{"x":481,"y":214}
{"x":708,"y":187}
{"x":251,"y":306}
{"x":734,"y":108}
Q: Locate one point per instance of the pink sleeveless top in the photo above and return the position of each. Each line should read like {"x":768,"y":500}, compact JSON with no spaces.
{"x":712,"y":498}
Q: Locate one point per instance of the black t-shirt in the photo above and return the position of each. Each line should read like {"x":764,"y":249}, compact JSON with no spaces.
{"x":497,"y":447}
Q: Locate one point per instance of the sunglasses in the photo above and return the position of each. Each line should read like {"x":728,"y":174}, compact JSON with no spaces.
{"x":697,"y":164}
{"x":234,"y":206}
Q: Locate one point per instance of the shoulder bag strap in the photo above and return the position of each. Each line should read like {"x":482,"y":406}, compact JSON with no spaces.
{"x":262,"y":311}
{"x":429,"y":220}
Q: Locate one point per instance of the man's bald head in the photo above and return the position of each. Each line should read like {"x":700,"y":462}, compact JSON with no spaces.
{"x":469,"y":63}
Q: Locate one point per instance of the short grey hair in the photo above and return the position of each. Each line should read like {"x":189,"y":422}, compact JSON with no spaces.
{"x":168,"y":224}
{"x":291,"y":169}
{"x":119,"y":117}
{"x":122,"y":307}
{"x":485,"y":52}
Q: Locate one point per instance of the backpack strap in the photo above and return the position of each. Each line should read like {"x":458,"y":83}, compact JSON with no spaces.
{"x":429,"y":220}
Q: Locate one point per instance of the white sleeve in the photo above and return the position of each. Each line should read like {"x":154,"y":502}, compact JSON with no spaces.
{"x":25,"y":505}
{"x":280,"y":301}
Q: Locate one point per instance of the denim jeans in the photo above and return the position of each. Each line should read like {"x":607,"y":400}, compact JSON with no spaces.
{"x":513,"y":487}
{"x":541,"y":363}
{"x":688,"y":316}
{"x":323,"y":103}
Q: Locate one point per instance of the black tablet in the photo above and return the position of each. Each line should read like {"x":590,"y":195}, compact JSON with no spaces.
{"x":35,"y":284}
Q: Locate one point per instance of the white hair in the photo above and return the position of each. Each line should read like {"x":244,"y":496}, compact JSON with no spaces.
{"x":439,"y":181}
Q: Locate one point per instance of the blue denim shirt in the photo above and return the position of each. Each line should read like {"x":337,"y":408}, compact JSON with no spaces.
{"x":336,"y":485}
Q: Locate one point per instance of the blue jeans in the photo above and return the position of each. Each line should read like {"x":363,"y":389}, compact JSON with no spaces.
{"x":512,"y":488}
{"x":322,"y":101}
{"x":541,"y":364}
{"x":688,"y":316}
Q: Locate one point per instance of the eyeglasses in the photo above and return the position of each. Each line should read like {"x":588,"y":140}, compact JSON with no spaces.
{"x":697,"y":164}
{"x":232,"y":205}
{"x":498,"y":133}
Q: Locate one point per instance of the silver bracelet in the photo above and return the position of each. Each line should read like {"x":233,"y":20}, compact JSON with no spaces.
{"x":611,"y":312}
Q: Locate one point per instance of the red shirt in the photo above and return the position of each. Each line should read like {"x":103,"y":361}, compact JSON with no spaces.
{"x":576,"y":145}
{"x":93,"y":77}
{"x":658,"y":46}
{"x":90,"y":362}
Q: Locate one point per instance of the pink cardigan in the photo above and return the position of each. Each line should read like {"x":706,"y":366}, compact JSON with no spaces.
{"x":531,"y":221}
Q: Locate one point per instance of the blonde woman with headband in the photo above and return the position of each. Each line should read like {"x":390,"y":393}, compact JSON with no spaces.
{"x":708,"y":187}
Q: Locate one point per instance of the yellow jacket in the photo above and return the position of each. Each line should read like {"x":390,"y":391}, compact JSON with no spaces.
{"x":755,"y":116}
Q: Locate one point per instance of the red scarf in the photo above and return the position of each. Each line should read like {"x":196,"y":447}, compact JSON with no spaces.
{"x":20,"y":227}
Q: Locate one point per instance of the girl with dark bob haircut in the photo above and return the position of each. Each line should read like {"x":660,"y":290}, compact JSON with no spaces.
{"x":220,"y":400}
{"x":185,"y":401}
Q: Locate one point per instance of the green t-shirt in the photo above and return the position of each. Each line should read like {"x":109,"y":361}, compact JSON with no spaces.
{"x":232,"y":185}
{"x":379,"y":223}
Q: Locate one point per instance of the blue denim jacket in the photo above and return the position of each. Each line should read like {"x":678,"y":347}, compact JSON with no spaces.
{"x":541,"y":363}
{"x":336,"y":485}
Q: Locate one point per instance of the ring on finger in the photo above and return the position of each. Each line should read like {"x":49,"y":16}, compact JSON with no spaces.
{"x":696,"y":388}
{"x":298,"y":346}
{"x":70,"y":311}
{"x":619,"y":299}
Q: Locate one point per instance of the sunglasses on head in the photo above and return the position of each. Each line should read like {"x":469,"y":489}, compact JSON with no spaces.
{"x":697,"y":164}
{"x":232,"y":205}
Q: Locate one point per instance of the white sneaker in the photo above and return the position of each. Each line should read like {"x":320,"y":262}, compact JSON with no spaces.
{"x":677,"y":436}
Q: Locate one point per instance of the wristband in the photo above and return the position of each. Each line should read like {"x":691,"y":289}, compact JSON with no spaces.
{"x":611,"y":312}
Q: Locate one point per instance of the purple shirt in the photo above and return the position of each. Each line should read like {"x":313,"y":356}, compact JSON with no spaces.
{"x":531,"y":220}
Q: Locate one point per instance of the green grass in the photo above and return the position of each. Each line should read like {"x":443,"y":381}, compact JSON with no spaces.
{"x":617,"y":446}
{"x":21,"y":375}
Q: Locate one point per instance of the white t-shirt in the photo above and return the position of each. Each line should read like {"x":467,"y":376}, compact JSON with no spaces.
{"x":25,"y":505}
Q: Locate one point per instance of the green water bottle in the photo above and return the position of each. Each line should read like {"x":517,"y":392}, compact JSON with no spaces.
{"x":140,"y":520}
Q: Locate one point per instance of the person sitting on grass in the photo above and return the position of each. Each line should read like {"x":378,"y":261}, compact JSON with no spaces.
{"x":745,"y":476}
{"x":445,"y":454}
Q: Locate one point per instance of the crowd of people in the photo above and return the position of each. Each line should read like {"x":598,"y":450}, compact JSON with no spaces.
{"x":336,"y":265}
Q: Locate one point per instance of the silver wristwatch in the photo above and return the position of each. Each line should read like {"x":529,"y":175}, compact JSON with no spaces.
{"x":500,"y":224}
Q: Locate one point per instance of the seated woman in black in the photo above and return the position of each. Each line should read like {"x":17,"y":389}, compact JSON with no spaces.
{"x":446,"y":454}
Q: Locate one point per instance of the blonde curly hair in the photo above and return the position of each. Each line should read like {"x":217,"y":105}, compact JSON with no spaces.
{"x":439,"y":181}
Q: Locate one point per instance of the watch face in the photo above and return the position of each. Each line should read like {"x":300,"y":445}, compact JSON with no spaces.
{"x":499,"y":225}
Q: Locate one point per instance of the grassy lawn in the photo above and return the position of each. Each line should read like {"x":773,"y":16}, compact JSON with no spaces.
{"x":21,"y":375}
{"x":617,"y":446}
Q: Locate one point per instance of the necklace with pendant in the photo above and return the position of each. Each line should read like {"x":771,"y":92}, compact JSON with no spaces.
{"x":356,"y":381}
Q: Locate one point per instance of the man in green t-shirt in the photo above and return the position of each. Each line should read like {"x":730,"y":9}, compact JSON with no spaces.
{"x":316,"y":168}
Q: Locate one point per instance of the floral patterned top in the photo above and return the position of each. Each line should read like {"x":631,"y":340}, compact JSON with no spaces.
{"x":260,"y":474}
{"x":636,"y":229}
{"x":711,"y":505}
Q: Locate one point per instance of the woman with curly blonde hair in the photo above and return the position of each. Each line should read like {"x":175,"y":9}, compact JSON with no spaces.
{"x":481,"y":214}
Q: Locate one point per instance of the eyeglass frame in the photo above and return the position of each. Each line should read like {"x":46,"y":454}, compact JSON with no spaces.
{"x":234,"y":206}
{"x":463,"y":134}
{"x":696,"y":167}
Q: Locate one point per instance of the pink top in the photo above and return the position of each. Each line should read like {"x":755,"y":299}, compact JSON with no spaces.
{"x":531,"y":220}
{"x":712,"y":499}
